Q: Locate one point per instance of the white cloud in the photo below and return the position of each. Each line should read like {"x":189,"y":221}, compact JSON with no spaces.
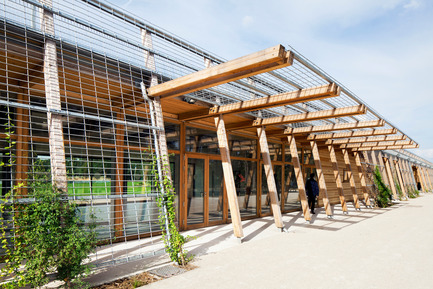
{"x":413,"y":4}
{"x":247,"y":21}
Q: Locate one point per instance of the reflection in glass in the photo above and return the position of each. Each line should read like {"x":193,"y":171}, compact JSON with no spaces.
{"x":216,"y":190}
{"x":195,"y":191}
{"x":290,"y":197}
{"x":172,"y":133}
{"x":265,"y":199}
{"x":245,"y":175}
{"x":242,"y":146}
{"x":201,"y":141}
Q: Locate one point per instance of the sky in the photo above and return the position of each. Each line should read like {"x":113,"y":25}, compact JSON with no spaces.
{"x":381,"y":50}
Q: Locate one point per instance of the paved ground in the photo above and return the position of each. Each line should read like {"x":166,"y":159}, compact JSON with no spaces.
{"x":380,"y":248}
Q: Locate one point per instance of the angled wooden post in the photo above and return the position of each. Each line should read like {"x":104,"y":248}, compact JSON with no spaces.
{"x":53,"y":102}
{"x":390,"y":178}
{"x":418,"y":173}
{"x":337,"y":178}
{"x":404,"y":174}
{"x":424,"y":178}
{"x":299,"y":177}
{"x":428,"y":185}
{"x":351,"y":179}
{"x":362,"y":179}
{"x":427,"y":176}
{"x":228,"y":177}
{"x":383,"y":169}
{"x":321,"y":178}
{"x":409,"y":173}
{"x":400,"y":178}
{"x":269,"y":172}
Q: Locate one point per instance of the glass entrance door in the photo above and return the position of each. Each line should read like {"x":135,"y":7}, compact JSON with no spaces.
{"x":205,"y":192}
{"x":196,"y":191}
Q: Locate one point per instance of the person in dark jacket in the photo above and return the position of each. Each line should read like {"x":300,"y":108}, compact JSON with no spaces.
{"x":312,"y":190}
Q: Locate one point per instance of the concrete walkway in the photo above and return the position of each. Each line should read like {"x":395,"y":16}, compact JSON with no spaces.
{"x":380,"y":248}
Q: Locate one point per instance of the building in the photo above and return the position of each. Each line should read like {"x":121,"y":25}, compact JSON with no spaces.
{"x":94,"y":94}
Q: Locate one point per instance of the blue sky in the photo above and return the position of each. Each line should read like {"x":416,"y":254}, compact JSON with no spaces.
{"x":381,"y":50}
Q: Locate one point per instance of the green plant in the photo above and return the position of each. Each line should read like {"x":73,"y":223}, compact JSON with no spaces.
{"x":383,"y":196}
{"x":137,"y":283}
{"x":173,"y":240}
{"x":412,"y":193}
{"x":399,"y":190}
{"x":46,"y":234}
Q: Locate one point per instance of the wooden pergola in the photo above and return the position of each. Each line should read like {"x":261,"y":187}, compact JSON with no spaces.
{"x":319,"y":128}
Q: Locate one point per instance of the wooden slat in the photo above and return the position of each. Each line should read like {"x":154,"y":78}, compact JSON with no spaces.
{"x":321,"y":178}
{"x":377,"y":144}
{"x":308,"y":116}
{"x":382,"y":148}
{"x":228,"y":177}
{"x":350,"y":134}
{"x":365,"y":139}
{"x":362,"y":179}
{"x":302,"y":95}
{"x":269,"y":172}
{"x":351,"y":178}
{"x":299,"y":177}
{"x":259,"y":62}
{"x":337,"y":178}
{"x":332,"y":127}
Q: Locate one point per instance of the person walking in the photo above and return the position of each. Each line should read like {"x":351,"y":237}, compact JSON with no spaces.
{"x":312,"y":189}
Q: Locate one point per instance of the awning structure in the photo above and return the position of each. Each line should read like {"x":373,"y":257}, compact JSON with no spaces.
{"x":278,"y":94}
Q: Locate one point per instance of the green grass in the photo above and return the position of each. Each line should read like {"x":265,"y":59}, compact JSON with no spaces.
{"x":82,"y":188}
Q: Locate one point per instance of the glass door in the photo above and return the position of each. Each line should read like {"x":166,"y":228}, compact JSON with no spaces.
{"x":196,"y":191}
{"x":205,"y":192}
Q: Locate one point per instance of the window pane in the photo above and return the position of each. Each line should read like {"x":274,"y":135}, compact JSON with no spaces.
{"x":245,"y":174}
{"x":201,"y":141}
{"x":242,"y":147}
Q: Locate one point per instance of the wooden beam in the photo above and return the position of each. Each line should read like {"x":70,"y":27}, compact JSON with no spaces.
{"x":22,"y":146}
{"x":299,"y":177}
{"x":350,"y":134}
{"x":337,"y":178}
{"x":390,"y":177}
{"x":365,"y":139}
{"x":382,"y":168}
{"x":418,"y":174}
{"x":382,"y":148}
{"x":228,"y":177}
{"x":302,"y":117}
{"x":351,"y":178}
{"x":376,"y":144}
{"x":291,"y":97}
{"x":259,"y":62}
{"x":269,"y":172}
{"x":362,"y":179}
{"x":332,"y":127}
{"x":400,"y":178}
{"x":119,"y":178}
{"x":321,"y":179}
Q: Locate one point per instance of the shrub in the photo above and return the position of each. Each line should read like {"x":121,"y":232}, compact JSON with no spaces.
{"x":383,"y":197}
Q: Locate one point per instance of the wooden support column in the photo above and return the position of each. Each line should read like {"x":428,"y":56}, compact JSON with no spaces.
{"x":22,"y":146}
{"x":228,"y":177}
{"x":409,"y":174}
{"x":272,"y":188}
{"x":404,"y":175}
{"x":400,"y":178}
{"x":427,"y":176}
{"x":390,"y":178}
{"x":383,"y":169}
{"x":423,"y":178}
{"x":428,"y":185}
{"x":337,"y":178}
{"x":351,"y":179}
{"x":362,"y":179}
{"x":118,"y":201}
{"x":53,"y":102}
{"x":299,"y":177}
{"x":321,"y":178}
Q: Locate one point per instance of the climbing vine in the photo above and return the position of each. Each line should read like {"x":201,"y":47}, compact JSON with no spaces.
{"x":173,"y":240}
{"x":383,"y":197}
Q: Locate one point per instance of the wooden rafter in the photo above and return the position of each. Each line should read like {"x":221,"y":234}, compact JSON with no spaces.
{"x":381,"y":148}
{"x":249,"y":65}
{"x":301,"y":117}
{"x":332,"y":127}
{"x":350,"y":134}
{"x":291,"y":97}
{"x":365,"y":139}
{"x":376,"y":144}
